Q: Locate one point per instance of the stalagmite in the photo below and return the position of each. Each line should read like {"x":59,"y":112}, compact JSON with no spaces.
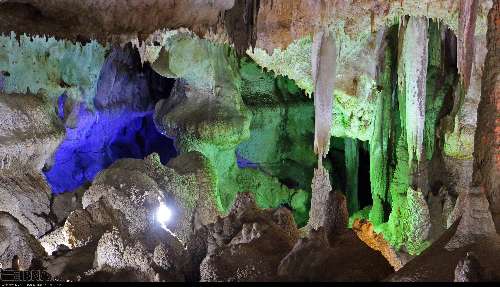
{"x":321,"y":189}
{"x":324,"y":56}
{"x":476,"y":222}
{"x":414,"y":61}
{"x":465,"y":39}
{"x":330,"y":210}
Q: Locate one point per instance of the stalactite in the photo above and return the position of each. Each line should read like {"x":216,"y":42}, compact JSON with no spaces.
{"x":323,"y":59}
{"x":352,"y":166}
{"x":414,"y":57}
{"x":435,"y":95}
{"x":465,"y":39}
{"x":380,"y":140}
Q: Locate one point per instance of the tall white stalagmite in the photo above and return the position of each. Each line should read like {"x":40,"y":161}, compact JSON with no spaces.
{"x":414,"y":57}
{"x":324,"y":57}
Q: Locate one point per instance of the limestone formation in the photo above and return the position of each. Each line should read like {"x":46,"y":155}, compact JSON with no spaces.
{"x":29,"y":133}
{"x":330,"y":208}
{"x":486,"y":160}
{"x":107,"y":20}
{"x":250,"y":140}
{"x":322,"y":191}
{"x":152,"y":259}
{"x":15,"y":239}
{"x":26,"y":196}
{"x":72,"y":264}
{"x":53,"y":240}
{"x":248,"y":244}
{"x":364,"y":230}
{"x":324,"y":58}
{"x":475,"y":220}
{"x":437,"y":263}
{"x":63,"y":204}
{"x":127,"y":196}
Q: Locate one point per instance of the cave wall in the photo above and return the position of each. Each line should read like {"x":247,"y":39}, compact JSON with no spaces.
{"x":486,"y":151}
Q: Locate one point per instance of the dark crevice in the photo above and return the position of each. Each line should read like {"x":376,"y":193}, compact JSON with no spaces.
{"x":338,"y":171}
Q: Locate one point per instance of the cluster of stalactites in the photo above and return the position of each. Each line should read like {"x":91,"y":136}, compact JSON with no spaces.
{"x":414,"y":57}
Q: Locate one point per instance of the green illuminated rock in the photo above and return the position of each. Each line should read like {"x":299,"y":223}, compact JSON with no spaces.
{"x":352,"y":165}
{"x":354,"y":96}
{"x":206,"y":112}
{"x":40,"y":64}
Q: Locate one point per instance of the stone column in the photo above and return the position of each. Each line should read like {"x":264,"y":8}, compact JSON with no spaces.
{"x":487,"y":138}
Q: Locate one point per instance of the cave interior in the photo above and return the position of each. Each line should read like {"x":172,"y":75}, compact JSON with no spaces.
{"x":250,"y":140}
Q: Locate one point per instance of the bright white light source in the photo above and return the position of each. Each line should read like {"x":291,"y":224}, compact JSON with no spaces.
{"x":163,"y":214}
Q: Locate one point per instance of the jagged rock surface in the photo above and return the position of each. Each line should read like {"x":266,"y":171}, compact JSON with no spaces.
{"x":29,"y":133}
{"x":155,"y":257}
{"x":249,"y":243}
{"x":127,"y":194}
{"x":15,"y":239}
{"x":108,"y":20}
{"x":53,"y":240}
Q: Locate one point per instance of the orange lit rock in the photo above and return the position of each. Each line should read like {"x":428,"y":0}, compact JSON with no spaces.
{"x":364,"y":230}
